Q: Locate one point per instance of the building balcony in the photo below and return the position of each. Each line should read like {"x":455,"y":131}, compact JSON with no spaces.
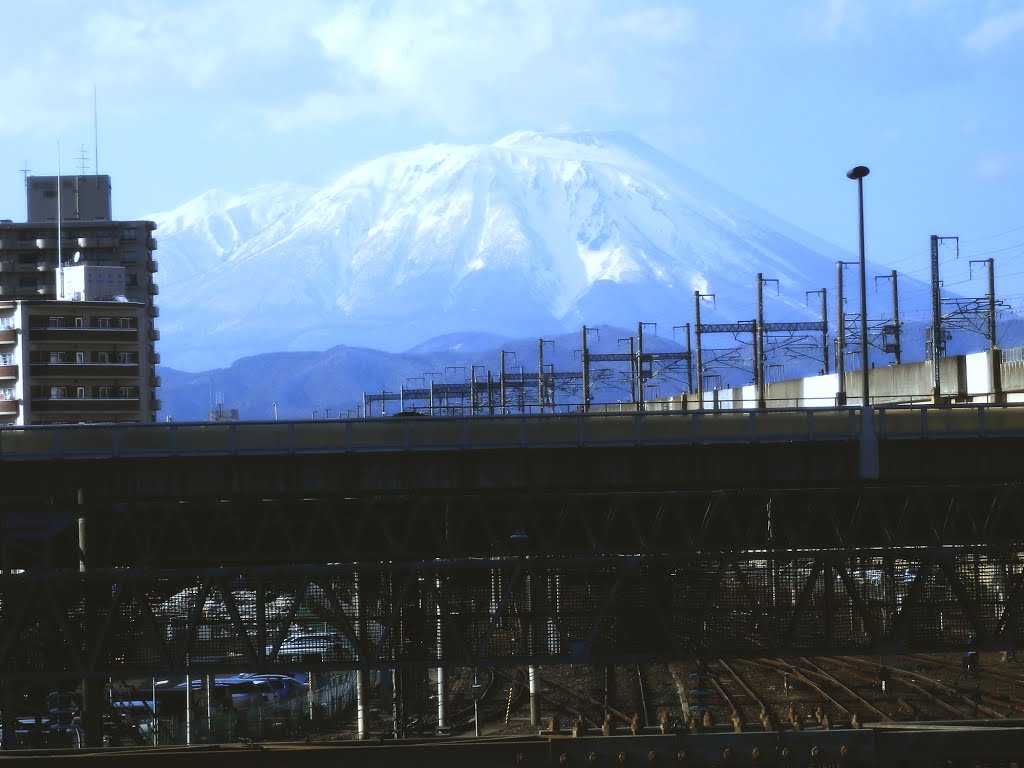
{"x":154,"y":310}
{"x":8,"y":336}
{"x":153,"y":266}
{"x":154,"y":334}
{"x":154,"y":289}
{"x":46,"y":242}
{"x":9,"y":407}
{"x":8,"y":372}
{"x":71,"y":334}
{"x":155,"y":404}
{"x":17,"y":265}
{"x":94,"y":241}
{"x":85,"y":405}
{"x":84,"y":370}
{"x":154,"y":358}
{"x":154,"y":382}
{"x":151,"y":243}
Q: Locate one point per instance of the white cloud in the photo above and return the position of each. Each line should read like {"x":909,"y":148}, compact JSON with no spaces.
{"x":994,"y":165}
{"x":995,"y":31}
{"x":135,"y":54}
{"x":462,"y":63}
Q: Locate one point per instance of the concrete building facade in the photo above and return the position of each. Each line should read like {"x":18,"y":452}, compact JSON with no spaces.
{"x":77,"y":309}
{"x":70,"y":362}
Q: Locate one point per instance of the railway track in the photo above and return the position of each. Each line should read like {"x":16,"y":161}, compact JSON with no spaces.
{"x":740,"y":695}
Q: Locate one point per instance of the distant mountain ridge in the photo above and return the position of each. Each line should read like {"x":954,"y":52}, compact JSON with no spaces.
{"x":537,"y":233}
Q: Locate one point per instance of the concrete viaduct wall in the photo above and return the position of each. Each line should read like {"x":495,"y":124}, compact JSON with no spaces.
{"x":990,"y":376}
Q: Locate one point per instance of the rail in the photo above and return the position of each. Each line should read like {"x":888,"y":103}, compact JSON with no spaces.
{"x":89,"y":441}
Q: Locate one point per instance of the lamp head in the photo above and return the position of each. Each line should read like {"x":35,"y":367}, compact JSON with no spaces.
{"x":858,"y":173}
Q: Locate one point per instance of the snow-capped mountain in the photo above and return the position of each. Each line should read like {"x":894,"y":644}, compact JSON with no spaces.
{"x":534,"y":234}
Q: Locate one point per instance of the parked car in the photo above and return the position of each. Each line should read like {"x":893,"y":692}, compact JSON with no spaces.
{"x":310,"y":648}
{"x":283,"y":686}
{"x":247,"y":692}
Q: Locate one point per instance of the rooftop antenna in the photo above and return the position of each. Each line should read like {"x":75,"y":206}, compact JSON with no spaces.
{"x":83,"y":158}
{"x":95,"y":138}
{"x":25,"y":170}
{"x":60,"y":261}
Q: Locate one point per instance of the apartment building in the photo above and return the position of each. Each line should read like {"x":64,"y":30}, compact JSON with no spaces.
{"x":77,"y":309}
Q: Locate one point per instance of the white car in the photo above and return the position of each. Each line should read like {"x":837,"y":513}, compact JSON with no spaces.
{"x":311,"y":647}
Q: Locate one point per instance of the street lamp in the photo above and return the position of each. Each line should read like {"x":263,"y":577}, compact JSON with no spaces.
{"x":868,"y":445}
{"x":154,"y":724}
{"x":858,"y":174}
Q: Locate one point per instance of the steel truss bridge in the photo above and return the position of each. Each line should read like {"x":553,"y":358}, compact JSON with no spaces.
{"x":585,"y":538}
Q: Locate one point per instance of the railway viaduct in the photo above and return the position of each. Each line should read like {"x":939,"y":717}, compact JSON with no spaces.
{"x":509,"y":540}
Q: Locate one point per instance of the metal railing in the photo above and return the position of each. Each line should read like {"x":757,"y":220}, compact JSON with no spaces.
{"x":462,"y":433}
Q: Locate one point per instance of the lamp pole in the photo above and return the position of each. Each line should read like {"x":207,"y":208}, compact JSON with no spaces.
{"x":868,"y":443}
{"x":858,"y":174}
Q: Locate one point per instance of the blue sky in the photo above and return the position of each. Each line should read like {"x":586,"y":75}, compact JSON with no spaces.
{"x":772,"y":100}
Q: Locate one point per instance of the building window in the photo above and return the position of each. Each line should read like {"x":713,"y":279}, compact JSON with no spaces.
{"x":56,"y":322}
{"x":126,"y":358}
{"x":6,"y":358}
{"x":129,"y":233}
{"x":131,"y":279}
{"x":79,"y":322}
{"x":105,"y":392}
{"x":102,"y":357}
{"x":126,"y":322}
{"x":124,"y":391}
{"x":6,"y":393}
{"x":81,"y":393}
{"x":56,"y":357}
{"x":58,"y":393}
{"x":105,"y":322}
{"x":79,"y":357}
{"x":6,"y":323}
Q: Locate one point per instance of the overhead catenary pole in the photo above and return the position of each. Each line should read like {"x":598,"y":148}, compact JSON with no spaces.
{"x":700,"y":362}
{"x":501,"y":382}
{"x":689,"y":361}
{"x":639,"y":365}
{"x":759,"y":345}
{"x":936,"y":329}
{"x":585,"y":356}
{"x":896,"y":316}
{"x":991,"y":303}
{"x":840,"y":338}
{"x":540,"y":375}
{"x":632,"y":369}
{"x":938,"y":345}
{"x":824,"y":328}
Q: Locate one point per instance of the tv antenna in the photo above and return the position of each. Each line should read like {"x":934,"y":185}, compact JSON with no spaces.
{"x":83,"y":158}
